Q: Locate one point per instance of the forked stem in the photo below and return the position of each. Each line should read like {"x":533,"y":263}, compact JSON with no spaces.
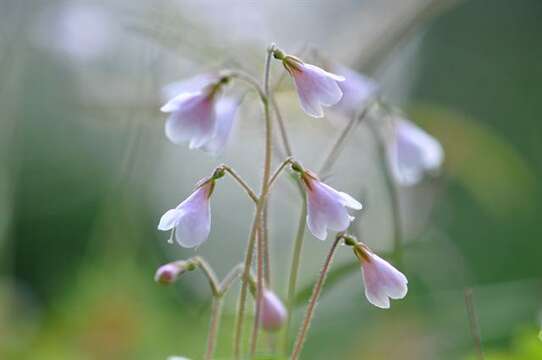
{"x":241,"y":182}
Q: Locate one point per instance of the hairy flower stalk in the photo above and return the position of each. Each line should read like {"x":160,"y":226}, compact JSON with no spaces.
{"x":311,"y":307}
{"x":256,"y":223}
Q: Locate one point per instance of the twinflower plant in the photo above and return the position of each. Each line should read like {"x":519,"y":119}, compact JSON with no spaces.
{"x":202,"y":113}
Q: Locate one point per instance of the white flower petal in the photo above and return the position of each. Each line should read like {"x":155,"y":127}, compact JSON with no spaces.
{"x":357,"y":90}
{"x":194,"y":227}
{"x":194,"y":84}
{"x":225,"y":115}
{"x":316,"y":222}
{"x":350,"y":202}
{"x":309,"y":102}
{"x":168,"y":220}
{"x":326,"y":209}
{"x":191,"y":219}
{"x":324,"y":85}
{"x":177,"y":102}
{"x":194,"y":120}
{"x":315,"y":87}
{"x":382,"y":281}
{"x":413,"y":153}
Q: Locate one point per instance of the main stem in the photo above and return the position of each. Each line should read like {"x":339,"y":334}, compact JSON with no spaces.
{"x":263,"y":198}
{"x":314,"y":300}
{"x":255,"y":225}
{"x":213,"y":327}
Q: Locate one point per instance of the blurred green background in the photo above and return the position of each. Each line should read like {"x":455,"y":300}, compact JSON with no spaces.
{"x":85,"y":173}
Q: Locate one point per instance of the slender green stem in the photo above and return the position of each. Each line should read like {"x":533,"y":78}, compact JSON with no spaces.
{"x":277,"y":172}
{"x":238,"y":332}
{"x":266,"y":255}
{"x":314,"y":299}
{"x":229,"y":279}
{"x":246,"y":77}
{"x":213,"y":327}
{"x":282,"y":127}
{"x":294,"y":270}
{"x":393,"y":193}
{"x":241,"y":182}
{"x":209,"y":274}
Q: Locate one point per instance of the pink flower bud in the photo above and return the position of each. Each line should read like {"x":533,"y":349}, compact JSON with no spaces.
{"x":192,"y":218}
{"x":273,"y":313}
{"x":326,"y":207}
{"x":169,"y":273}
{"x":315,"y":86}
{"x":413,"y":153}
{"x":198,"y":114}
{"x":382,"y":281}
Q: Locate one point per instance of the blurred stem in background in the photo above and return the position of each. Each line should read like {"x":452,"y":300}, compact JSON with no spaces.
{"x":392,"y":189}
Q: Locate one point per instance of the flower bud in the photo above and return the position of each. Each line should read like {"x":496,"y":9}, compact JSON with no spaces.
{"x":169,"y":273}
{"x":273,"y":313}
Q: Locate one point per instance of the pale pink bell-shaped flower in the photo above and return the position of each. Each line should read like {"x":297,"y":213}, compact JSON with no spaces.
{"x":191,"y":220}
{"x":169,"y":273}
{"x":273,"y":313}
{"x":198,"y":114}
{"x":413,"y":153}
{"x":357,"y":90}
{"x":315,"y":86}
{"x":326,"y":207}
{"x":226,"y":109}
{"x":382,"y":281}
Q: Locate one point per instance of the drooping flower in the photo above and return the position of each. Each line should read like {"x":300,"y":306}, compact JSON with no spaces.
{"x":315,"y":86}
{"x":169,"y":273}
{"x":198,"y":114}
{"x":326,"y":207}
{"x":225,"y":116}
{"x":273,"y":314}
{"x":412,"y":153}
{"x":191,"y":220}
{"x":382,"y":281}
{"x":357,"y":90}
